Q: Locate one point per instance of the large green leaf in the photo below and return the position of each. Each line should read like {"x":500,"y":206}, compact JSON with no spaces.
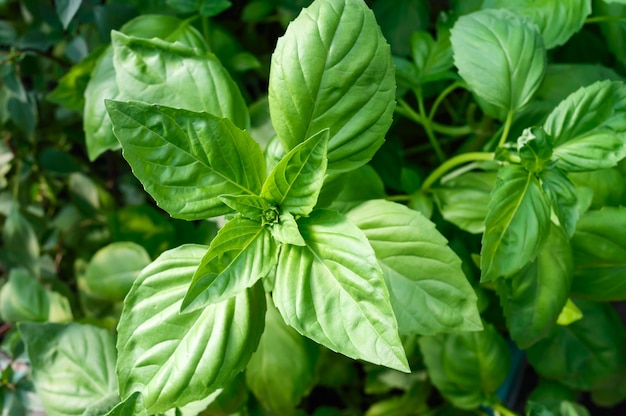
{"x":467,"y":368}
{"x":175,"y":358}
{"x":72,"y":365}
{"x":428,"y":290}
{"x":557,"y":20}
{"x":242,"y":252}
{"x":295,"y":182}
{"x":585,"y":353}
{"x":501,"y":57}
{"x":185,"y":159}
{"x":176,"y":75}
{"x":333,"y":69}
{"x":102,"y":84}
{"x":599,"y":246}
{"x":463,"y":200}
{"x":561,"y":193}
{"x":589,"y":127}
{"x":282,"y":370}
{"x":533,"y":298}
{"x":113,"y":269}
{"x":333,"y":291}
{"x":517,"y":223}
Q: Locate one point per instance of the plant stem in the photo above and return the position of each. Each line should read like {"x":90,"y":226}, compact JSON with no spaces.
{"x":602,"y":19}
{"x":428,"y":126}
{"x":502,"y":410}
{"x":440,"y":98}
{"x":452,"y":163}
{"x":405,"y":110}
{"x":507,"y":128}
{"x":205,"y":29}
{"x":398,"y":198}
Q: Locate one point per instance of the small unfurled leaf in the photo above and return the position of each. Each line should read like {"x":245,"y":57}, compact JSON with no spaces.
{"x":333,"y":69}
{"x":185,"y":159}
{"x":286,"y":230}
{"x":585,"y":353}
{"x":533,"y":298}
{"x":428,"y":290}
{"x":563,"y":198}
{"x":175,"y":358}
{"x":467,"y":368}
{"x":517,"y":223}
{"x":599,"y":246}
{"x":242,"y":252}
{"x":333,"y":291}
{"x":463,"y":200}
{"x":282,"y":370}
{"x":589,"y":127}
{"x":432,"y":60}
{"x":557,"y":20}
{"x":72,"y":365}
{"x":501,"y":56}
{"x":250,"y":206}
{"x":295,"y":182}
{"x":535,"y":149}
{"x":113,"y":269}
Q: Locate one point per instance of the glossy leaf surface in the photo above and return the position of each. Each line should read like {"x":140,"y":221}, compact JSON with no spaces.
{"x":333,"y":291}
{"x":175,"y":358}
{"x":429,"y":292}
{"x":332,"y":69}
{"x":563,"y":198}
{"x":185,"y":159}
{"x":517,"y":223}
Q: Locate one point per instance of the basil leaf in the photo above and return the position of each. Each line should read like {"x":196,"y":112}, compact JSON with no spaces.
{"x":533,"y":298}
{"x":557,"y":20}
{"x":534,"y":148}
{"x":351,"y":191}
{"x":23,"y":298}
{"x":102,"y":84}
{"x":607,"y":186}
{"x":199,"y":149}
{"x":517,"y":223}
{"x":249,"y":206}
{"x":432,"y":59}
{"x":428,"y":290}
{"x":333,"y":69}
{"x":242,"y":252}
{"x":173,"y":358}
{"x":286,"y":230}
{"x":599,"y":246}
{"x":72,"y":365}
{"x":584,"y":353}
{"x":561,"y":193}
{"x":501,"y":57}
{"x":295,"y":182}
{"x":589,"y":127}
{"x":467,"y":368}
{"x":176,"y":75}
{"x":132,"y":406}
{"x":282,"y":370}
{"x":463,"y":200}
{"x":21,"y":246}
{"x":332,"y":291}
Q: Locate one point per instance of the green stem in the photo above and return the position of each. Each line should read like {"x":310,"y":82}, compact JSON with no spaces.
{"x":405,"y":110}
{"x":205,"y":29}
{"x":452,"y":163}
{"x":602,"y":19}
{"x":441,"y":97}
{"x":398,"y":198}
{"x":428,"y":127}
{"x":502,"y":410}
{"x":507,"y":128}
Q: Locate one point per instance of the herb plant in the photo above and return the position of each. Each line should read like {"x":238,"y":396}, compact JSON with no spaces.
{"x":413,"y":270}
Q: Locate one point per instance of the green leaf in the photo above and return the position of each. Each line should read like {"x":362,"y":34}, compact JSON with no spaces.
{"x":599,"y":246}
{"x":282,"y":370}
{"x":250,"y":206}
{"x":72,"y":365}
{"x":533,"y":298}
{"x":583,"y":354}
{"x":432,"y":59}
{"x":351,"y":190}
{"x":113,"y":269}
{"x":563,"y":198}
{"x":589,"y":127}
{"x":176,"y":75}
{"x":399,"y":19}
{"x":534,"y":148}
{"x":295,"y":182}
{"x":207,"y":8}
{"x":23,"y":298}
{"x":467,"y":368}
{"x":66,"y":10}
{"x":173,"y":358}
{"x":286,"y":230}
{"x":185,"y":159}
{"x":428,"y":290}
{"x":21,"y":245}
{"x":570,"y":313}
{"x":557,"y":20}
{"x":332,"y":69}
{"x":103,"y":85}
{"x":132,"y":406}
{"x":517,"y":223}
{"x":607,"y":186}
{"x":242,"y":252}
{"x":70,"y":90}
{"x":501,"y":57}
{"x":332,"y":291}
